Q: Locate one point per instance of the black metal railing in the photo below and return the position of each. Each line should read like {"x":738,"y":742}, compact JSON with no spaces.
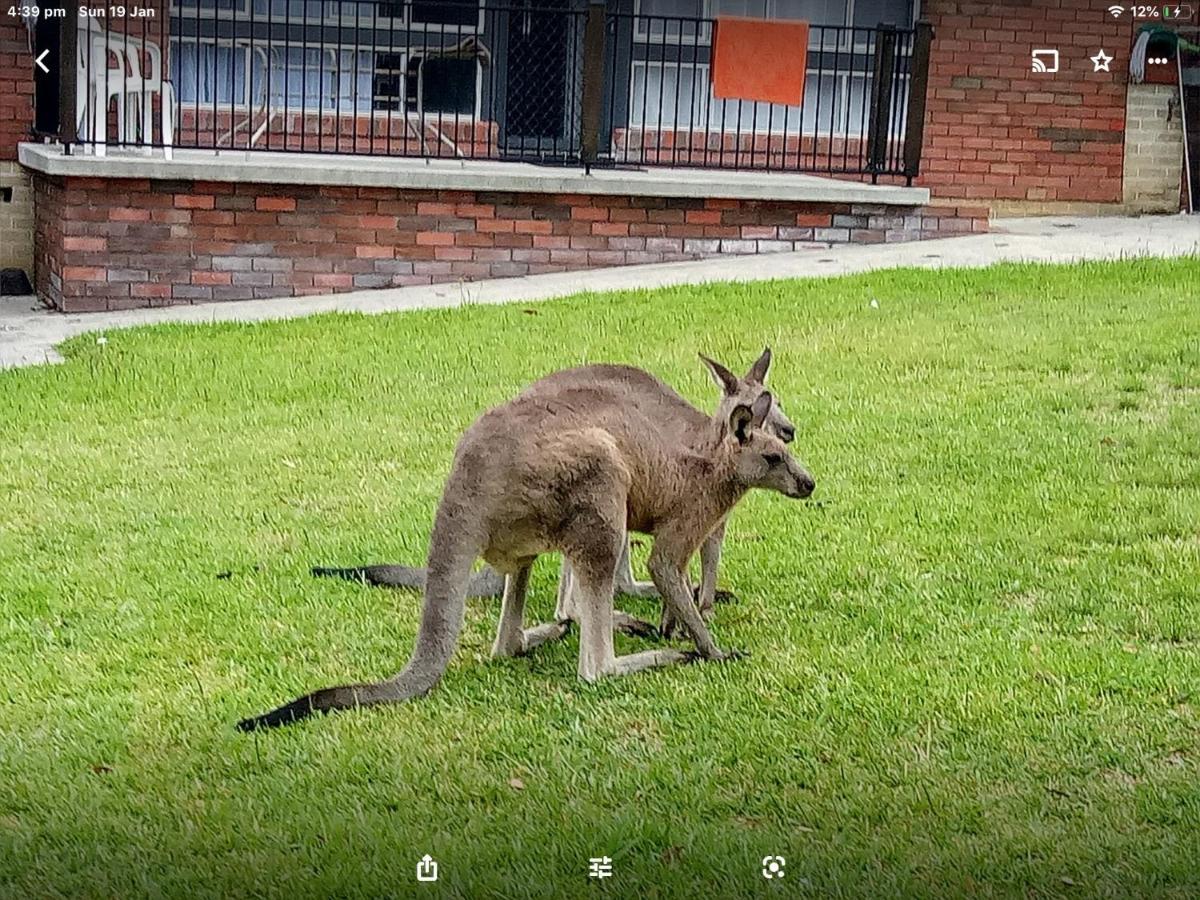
{"x":552,"y":82}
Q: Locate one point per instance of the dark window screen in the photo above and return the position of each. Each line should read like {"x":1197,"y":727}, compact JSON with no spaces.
{"x":449,"y":85}
{"x":446,"y":13}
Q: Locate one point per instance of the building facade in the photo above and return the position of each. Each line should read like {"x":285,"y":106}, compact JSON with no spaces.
{"x":502,"y":81}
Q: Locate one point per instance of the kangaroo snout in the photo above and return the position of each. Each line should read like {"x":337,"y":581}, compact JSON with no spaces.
{"x":786,"y":433}
{"x":805,"y":485}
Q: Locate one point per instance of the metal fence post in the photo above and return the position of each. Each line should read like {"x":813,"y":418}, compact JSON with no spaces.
{"x":68,"y":67}
{"x":881,"y":99}
{"x":918,"y":86}
{"x":593,"y":82}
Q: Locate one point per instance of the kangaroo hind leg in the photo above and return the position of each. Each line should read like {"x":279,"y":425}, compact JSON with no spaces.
{"x":593,"y":591}
{"x":512,"y":638}
{"x":622,"y":621}
{"x":626,"y":583}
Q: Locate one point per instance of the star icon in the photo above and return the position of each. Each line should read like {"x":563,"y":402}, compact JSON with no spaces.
{"x":1101,"y":61}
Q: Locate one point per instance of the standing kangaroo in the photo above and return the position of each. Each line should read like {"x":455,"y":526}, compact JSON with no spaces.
{"x":571,"y":471}
{"x":678,"y":419}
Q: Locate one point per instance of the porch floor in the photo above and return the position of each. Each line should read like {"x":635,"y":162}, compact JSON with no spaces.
{"x":469,"y":175}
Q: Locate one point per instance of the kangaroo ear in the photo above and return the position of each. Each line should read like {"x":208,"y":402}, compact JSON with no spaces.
{"x":761,"y":407}
{"x":725,"y":379}
{"x":758,"y":371}
{"x":741,"y":420}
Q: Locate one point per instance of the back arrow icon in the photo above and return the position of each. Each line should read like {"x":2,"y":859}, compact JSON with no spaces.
{"x":38,"y":62}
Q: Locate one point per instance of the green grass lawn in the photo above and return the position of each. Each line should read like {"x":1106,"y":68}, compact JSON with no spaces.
{"x":976,"y":649}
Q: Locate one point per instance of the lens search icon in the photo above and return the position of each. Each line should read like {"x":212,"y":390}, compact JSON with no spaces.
{"x":772,"y":867}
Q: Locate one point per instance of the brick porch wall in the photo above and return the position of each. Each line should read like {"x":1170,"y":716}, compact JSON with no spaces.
{"x":119,"y":243}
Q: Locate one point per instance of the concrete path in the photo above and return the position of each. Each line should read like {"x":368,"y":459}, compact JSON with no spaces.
{"x":29,"y":334}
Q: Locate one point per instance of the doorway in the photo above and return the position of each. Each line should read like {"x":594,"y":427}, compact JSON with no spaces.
{"x":1189,"y":92}
{"x":541,"y":94}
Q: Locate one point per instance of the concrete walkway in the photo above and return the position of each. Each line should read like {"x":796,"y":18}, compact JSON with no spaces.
{"x":28,"y":334}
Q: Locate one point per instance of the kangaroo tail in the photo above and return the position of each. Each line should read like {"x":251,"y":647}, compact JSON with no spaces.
{"x":451,"y":554}
{"x":377,"y":576}
{"x":487,"y":582}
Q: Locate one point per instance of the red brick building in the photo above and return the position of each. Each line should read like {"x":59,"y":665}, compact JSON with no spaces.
{"x":131,"y":228}
{"x":1036,"y":142}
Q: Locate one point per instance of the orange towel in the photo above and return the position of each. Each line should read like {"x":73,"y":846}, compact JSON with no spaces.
{"x":758,"y":59}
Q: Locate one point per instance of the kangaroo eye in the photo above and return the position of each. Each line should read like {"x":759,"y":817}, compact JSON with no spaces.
{"x":773,"y":459}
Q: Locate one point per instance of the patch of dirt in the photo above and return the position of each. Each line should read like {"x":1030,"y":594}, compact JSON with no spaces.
{"x":1120,"y":778}
{"x":1026,"y":600}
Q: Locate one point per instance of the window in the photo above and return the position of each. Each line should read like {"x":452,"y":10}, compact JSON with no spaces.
{"x":676,"y":26}
{"x":390,"y":82}
{"x":301,"y":77}
{"x":348,"y":12}
{"x":445,"y":13}
{"x":862,"y":13}
{"x":869,"y":13}
{"x":448,"y":86}
{"x":354,"y":81}
{"x":675,"y":97}
{"x":694,"y":9}
{"x":679,"y":94}
{"x":209,"y":73}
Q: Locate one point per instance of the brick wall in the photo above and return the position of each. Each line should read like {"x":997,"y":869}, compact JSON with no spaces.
{"x":16,"y":217}
{"x":16,"y":85}
{"x":112,"y":243}
{"x":16,"y":117}
{"x":49,"y":246}
{"x":997,"y":131}
{"x":1153,"y":148}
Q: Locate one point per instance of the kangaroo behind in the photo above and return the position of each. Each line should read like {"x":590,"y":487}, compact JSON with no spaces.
{"x":567,"y":473}
{"x":678,"y":418}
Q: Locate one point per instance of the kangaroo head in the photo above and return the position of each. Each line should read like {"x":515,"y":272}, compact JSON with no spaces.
{"x":747,"y":390}
{"x":762,"y":460}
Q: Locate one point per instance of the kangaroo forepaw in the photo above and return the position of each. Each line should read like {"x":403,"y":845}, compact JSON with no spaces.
{"x":719,"y":596}
{"x":671,"y":629}
{"x":633,"y":626}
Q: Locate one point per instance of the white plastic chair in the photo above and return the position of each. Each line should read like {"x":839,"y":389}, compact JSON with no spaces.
{"x":97,"y":83}
{"x":140,"y":91}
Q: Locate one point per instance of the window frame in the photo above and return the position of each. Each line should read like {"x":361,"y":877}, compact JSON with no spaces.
{"x":710,"y":127}
{"x":642,"y":33}
{"x":193,"y":10}
{"x":847,"y":43}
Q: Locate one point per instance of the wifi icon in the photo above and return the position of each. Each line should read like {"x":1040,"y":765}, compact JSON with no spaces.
{"x":1115,"y":11}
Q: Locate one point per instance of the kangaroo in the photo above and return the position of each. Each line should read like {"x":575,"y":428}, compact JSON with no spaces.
{"x":679,"y":418}
{"x":571,"y":471}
